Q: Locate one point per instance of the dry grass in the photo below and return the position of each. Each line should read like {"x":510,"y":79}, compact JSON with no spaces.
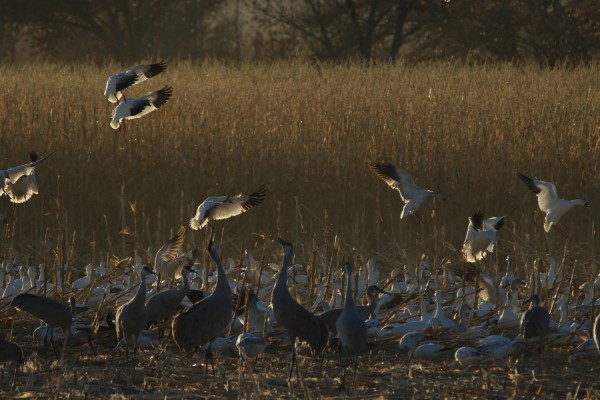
{"x":307,"y":133}
{"x":463,"y":131}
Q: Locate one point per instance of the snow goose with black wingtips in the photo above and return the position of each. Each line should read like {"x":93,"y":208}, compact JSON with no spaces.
{"x":123,"y":80}
{"x":19,"y":183}
{"x":223,"y":207}
{"x":549,"y":202}
{"x":481,"y":235}
{"x":400,"y":180}
{"x":137,"y":108}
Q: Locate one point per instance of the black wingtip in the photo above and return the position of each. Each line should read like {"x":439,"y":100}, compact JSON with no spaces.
{"x":477,"y":219}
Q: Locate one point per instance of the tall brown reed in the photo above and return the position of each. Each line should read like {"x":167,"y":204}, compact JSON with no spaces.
{"x":463,"y":131}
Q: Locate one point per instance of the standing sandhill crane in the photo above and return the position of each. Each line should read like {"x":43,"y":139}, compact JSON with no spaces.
{"x":131,"y":316}
{"x":331,"y":316}
{"x":137,"y":108}
{"x":203,"y":322}
{"x":351,"y":327}
{"x":297,"y":321}
{"x":10,"y":352}
{"x":481,"y":235}
{"x":549,"y":202}
{"x":19,"y":183}
{"x":535,"y":322}
{"x":222,"y":207}
{"x":162,"y":306}
{"x":134,"y":75}
{"x":52,"y":312}
{"x":412,"y":194}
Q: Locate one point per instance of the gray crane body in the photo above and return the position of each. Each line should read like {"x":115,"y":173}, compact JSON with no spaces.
{"x":10,"y":352}
{"x":131,"y":316}
{"x":295,"y":319}
{"x":351,"y":326}
{"x":535,"y":322}
{"x":206,"y":320}
{"x":163,"y":305}
{"x":330,"y":317}
{"x":52,"y":312}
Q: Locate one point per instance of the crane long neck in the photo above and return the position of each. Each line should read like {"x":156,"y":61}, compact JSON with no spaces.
{"x":222,"y":282}
{"x":140,"y":296}
{"x":349,"y":303}
{"x":282,"y":278}
{"x":186,"y":283}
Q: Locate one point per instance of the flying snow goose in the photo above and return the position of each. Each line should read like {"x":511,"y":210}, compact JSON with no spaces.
{"x":137,"y":108}
{"x":222,"y":207}
{"x":412,"y":194}
{"x":19,"y":183}
{"x":481,"y":235}
{"x":549,"y":202}
{"x":123,"y":80}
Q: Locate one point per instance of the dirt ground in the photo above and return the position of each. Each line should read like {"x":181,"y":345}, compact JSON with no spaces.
{"x":165,"y":372}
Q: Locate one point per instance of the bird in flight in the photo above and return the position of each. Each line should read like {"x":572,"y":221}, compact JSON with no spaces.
{"x":222,"y":207}
{"x":137,"y":108}
{"x":481,"y":235}
{"x":19,"y":183}
{"x":123,"y":80}
{"x":549,"y":202}
{"x":412,"y":194}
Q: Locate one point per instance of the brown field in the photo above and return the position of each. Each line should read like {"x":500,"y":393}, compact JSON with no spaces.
{"x":307,"y":133}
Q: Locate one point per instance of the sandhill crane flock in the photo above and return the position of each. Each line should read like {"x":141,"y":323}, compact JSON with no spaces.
{"x":457,"y":310}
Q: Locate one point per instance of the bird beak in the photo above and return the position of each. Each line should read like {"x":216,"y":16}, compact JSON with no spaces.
{"x":587,"y":204}
{"x":382,"y":291}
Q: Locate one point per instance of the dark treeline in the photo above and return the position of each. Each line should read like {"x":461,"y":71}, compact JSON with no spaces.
{"x":546,"y":32}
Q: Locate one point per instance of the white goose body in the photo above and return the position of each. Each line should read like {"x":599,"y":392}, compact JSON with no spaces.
{"x":137,"y":74}
{"x":548,"y":200}
{"x":137,"y":108}
{"x":400,"y":180}
{"x":223,"y":207}
{"x":19,"y":183}
{"x":481,"y":235}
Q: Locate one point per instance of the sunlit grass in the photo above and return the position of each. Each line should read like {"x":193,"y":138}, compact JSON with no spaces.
{"x":307,"y":133}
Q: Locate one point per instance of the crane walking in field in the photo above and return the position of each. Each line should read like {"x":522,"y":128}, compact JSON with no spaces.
{"x":137,"y":108}
{"x":297,"y":321}
{"x":131,"y":316}
{"x":52,"y":312}
{"x":203,"y":322}
{"x":549,"y":202}
{"x":19,"y":183}
{"x":535,"y":322}
{"x":412,"y":194}
{"x":163,"y":305}
{"x":331,"y":316}
{"x":222,"y":207}
{"x":137,"y":74}
{"x":351,"y":327}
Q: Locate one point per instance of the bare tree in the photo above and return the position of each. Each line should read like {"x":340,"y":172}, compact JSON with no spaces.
{"x":124,"y":30}
{"x":341,"y":29}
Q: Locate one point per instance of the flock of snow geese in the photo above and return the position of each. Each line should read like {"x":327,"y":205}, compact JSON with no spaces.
{"x":465,"y":309}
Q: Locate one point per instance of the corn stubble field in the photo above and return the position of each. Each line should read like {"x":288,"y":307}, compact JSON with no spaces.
{"x":307,"y":133}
